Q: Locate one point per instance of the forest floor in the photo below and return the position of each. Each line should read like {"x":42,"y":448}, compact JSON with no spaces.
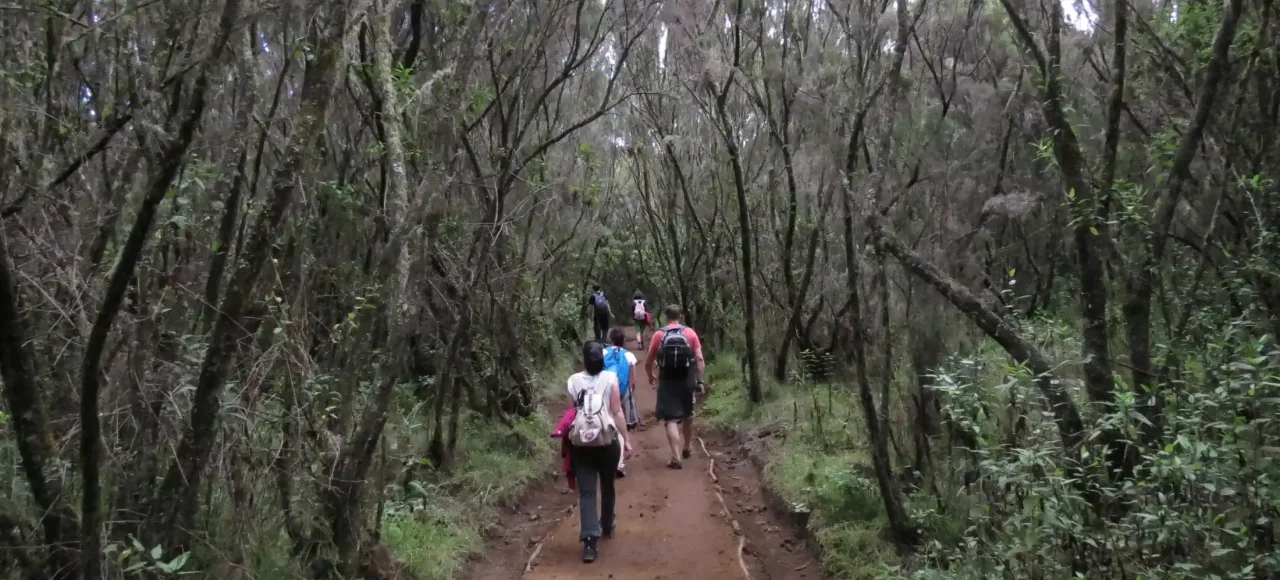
{"x":708,"y":520}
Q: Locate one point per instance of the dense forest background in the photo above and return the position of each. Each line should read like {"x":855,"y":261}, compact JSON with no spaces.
{"x":278,"y":278}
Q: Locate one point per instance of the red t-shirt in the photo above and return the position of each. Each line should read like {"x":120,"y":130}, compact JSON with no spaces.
{"x":689,"y":334}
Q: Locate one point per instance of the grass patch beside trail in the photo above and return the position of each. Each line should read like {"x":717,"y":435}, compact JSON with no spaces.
{"x":441,"y":521}
{"x":815,"y":459}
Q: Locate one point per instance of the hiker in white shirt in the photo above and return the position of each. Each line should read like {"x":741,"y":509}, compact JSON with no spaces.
{"x":597,"y":445}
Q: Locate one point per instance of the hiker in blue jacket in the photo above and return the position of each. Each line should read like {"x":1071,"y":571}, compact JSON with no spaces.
{"x":623,"y":363}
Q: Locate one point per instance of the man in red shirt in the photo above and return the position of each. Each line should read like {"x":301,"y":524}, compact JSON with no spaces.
{"x":677,"y":351}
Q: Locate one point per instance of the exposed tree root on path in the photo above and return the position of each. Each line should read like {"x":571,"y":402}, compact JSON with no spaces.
{"x":711,"y":466}
{"x":737,"y":528}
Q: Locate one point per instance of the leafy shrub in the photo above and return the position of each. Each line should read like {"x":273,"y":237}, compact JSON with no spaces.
{"x":1204,"y":505}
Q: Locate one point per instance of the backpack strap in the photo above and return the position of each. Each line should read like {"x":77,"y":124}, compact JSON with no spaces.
{"x":604,"y":398}
{"x":581,"y":400}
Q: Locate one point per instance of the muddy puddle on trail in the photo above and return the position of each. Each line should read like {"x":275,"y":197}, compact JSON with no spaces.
{"x":672,"y":524}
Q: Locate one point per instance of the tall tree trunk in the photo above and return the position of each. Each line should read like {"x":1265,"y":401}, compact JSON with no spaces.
{"x":176,"y":503}
{"x":904,"y":533}
{"x":744,"y":217}
{"x":343,"y":496}
{"x":31,"y":424}
{"x":1086,"y":233}
{"x":794,"y":329}
{"x":90,"y":443}
{"x":1141,"y":285}
{"x":248,"y":91}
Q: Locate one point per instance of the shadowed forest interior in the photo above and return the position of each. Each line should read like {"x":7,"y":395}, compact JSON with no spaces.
{"x":288,"y":288}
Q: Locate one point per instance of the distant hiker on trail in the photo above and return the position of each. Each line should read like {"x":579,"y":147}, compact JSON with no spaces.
{"x":677,"y":351}
{"x":640,"y":313}
{"x":623,"y":363}
{"x":598,"y":446}
{"x":600,"y":312}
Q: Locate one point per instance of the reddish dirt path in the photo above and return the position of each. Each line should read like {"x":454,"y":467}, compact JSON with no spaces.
{"x":671,"y":523}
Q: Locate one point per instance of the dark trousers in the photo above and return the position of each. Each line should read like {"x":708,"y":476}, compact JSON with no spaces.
{"x":592,"y":465}
{"x":601,"y":325}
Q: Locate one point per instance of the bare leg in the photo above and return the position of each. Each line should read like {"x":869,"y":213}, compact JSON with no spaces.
{"x":673,"y":439}
{"x":687,"y":427}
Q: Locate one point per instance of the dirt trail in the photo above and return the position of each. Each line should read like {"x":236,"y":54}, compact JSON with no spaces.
{"x":672,"y":524}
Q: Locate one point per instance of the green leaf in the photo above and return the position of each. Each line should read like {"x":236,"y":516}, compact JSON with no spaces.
{"x":157,"y":552}
{"x":479,"y":99}
{"x":179,"y":562}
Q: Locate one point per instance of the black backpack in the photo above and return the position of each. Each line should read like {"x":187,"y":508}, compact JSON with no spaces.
{"x":600,"y":302}
{"x":675,"y":354}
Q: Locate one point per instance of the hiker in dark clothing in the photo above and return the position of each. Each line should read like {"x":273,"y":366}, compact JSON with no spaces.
{"x":600,"y":312}
{"x":677,"y":351}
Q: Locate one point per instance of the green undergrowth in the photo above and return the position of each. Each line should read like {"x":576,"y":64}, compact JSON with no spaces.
{"x":441,"y":517}
{"x":441,"y":520}
{"x":432,"y":519}
{"x":810,"y":437}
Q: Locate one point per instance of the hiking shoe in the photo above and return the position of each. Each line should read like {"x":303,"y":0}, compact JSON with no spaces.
{"x":589,"y":552}
{"x":674,"y":464}
{"x":686,"y":453}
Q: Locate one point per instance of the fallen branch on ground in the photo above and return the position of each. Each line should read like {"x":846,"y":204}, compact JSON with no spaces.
{"x":528,"y":566}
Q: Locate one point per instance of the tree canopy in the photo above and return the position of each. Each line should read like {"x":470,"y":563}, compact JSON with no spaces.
{"x":264,"y":264}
